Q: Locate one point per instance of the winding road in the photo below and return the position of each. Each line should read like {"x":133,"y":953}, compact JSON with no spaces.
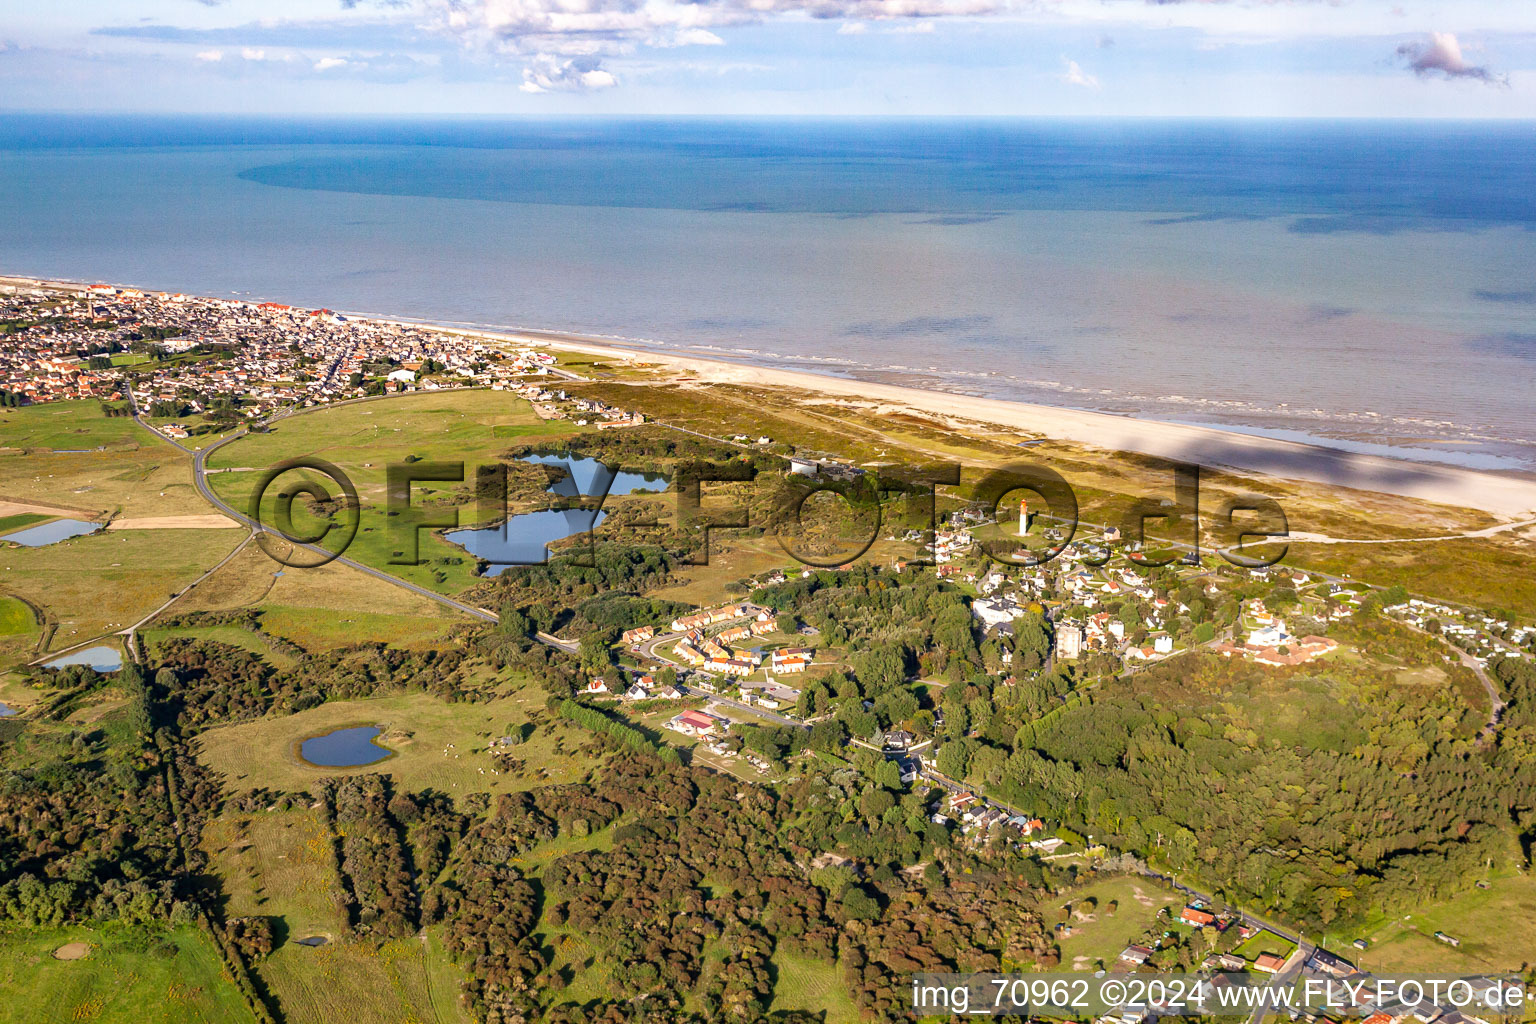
{"x":199,"y":478}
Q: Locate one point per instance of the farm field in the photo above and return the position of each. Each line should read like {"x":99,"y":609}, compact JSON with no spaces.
{"x":107,"y":581}
{"x":419,"y":728}
{"x":129,"y":976}
{"x":365,"y":438}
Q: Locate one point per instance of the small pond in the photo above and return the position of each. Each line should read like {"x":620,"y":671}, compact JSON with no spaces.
{"x":312,"y":940}
{"x":102,"y":659}
{"x":51,"y":533}
{"x":524,"y":539}
{"x":5,"y":710}
{"x":586,"y":476}
{"x":345,"y":748}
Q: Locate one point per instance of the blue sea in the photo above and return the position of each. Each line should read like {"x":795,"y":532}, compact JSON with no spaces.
{"x":1368,"y":284}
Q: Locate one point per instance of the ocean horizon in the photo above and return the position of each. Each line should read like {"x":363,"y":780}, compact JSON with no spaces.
{"x":1367,"y":285}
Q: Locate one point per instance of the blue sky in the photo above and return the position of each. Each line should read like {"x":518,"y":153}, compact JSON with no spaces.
{"x":1399,"y":58}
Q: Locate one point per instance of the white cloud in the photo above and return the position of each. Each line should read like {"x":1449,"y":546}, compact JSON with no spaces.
{"x":330,"y":63}
{"x":1441,"y":54}
{"x":211,"y":56}
{"x":540,"y":30}
{"x":251,"y":53}
{"x":1075,"y":75}
{"x":852,"y":28}
{"x":548,"y":73}
{"x":697,"y":37}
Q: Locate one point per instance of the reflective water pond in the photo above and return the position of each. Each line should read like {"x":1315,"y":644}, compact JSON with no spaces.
{"x":345,"y":748}
{"x":51,"y":533}
{"x":5,"y":710}
{"x":102,"y":659}
{"x":524,"y":539}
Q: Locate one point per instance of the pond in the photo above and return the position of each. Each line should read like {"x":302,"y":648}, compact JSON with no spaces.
{"x":586,"y":476}
{"x":345,"y":748}
{"x":5,"y":710}
{"x":51,"y":533}
{"x":312,"y":940}
{"x":524,"y":539}
{"x":102,"y":659}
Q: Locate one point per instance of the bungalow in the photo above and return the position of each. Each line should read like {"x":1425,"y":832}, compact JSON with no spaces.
{"x":1137,"y":955}
{"x":637,"y":692}
{"x":1196,"y":917}
{"x":1269,"y":963}
{"x":596,"y":686}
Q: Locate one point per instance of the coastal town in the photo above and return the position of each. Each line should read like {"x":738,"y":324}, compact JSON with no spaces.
{"x":215,"y":363}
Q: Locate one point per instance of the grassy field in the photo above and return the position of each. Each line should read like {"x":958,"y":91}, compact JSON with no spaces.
{"x":67,"y":426}
{"x":129,"y":977}
{"x":1496,"y":926}
{"x":69,"y":454}
{"x":278,"y":864}
{"x":812,"y":986}
{"x":404,"y":981}
{"x":363,"y":439}
{"x":318,"y":609}
{"x":16,"y":617}
{"x":438,"y":745}
{"x":317,"y":629}
{"x":107,"y":581}
{"x":1098,"y":936}
{"x":20,"y":521}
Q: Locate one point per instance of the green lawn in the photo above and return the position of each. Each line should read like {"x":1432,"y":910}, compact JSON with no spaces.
{"x":131,"y":976}
{"x":1265,"y":942}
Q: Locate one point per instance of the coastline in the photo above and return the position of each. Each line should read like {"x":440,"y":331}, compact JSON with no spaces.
{"x":1504,"y":494}
{"x":1507,"y":495}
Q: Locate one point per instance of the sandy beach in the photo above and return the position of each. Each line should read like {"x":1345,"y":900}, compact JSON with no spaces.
{"x":1507,"y":495}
